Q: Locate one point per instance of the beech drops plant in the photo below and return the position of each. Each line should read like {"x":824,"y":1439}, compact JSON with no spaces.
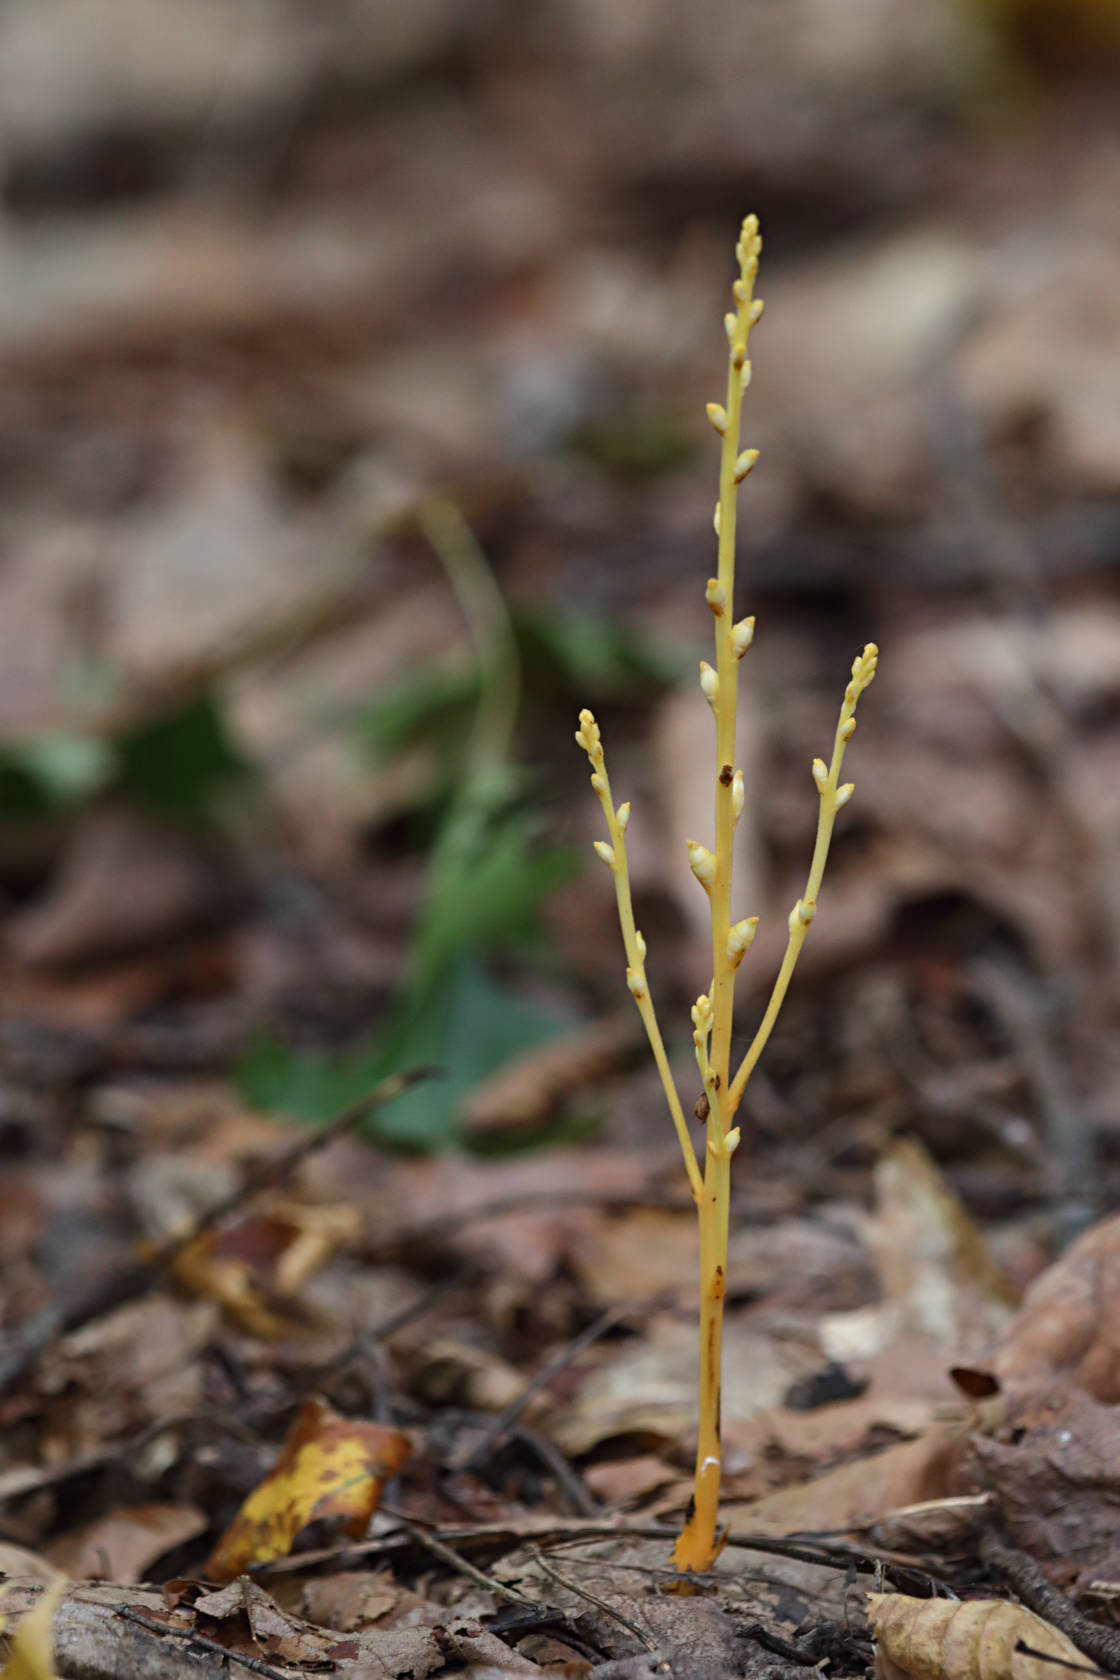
{"x":700,"y":1541}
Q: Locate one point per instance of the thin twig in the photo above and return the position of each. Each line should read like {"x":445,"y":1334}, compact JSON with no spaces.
{"x":31,"y":1340}
{"x":592,"y":1598}
{"x":199,"y":1640}
{"x":589,"y":1334}
{"x":569,"y":1479}
{"x":448,"y":1555}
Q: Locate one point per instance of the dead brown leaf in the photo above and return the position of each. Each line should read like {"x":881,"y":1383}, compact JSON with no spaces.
{"x":940,"y":1639}
{"x":121,"y":1545}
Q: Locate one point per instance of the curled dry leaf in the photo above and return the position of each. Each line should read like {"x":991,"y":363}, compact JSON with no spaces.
{"x":331,"y":1466}
{"x":984,"y":1639}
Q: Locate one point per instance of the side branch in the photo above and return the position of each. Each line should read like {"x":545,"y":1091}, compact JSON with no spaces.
{"x":832,"y":797}
{"x":613,"y":854}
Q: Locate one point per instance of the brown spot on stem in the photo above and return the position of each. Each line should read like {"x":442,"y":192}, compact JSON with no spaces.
{"x":718,"y":1285}
{"x":726,"y":775}
{"x":701,"y":1109}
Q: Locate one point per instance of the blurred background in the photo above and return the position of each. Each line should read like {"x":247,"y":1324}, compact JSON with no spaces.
{"x":351,"y":438}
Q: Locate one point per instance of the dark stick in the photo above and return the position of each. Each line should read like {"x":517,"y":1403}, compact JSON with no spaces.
{"x":200,"y":1640}
{"x":31,"y":1340}
{"x":493,"y":1434}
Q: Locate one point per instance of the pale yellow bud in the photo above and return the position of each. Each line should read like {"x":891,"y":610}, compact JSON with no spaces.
{"x":739,"y":360}
{"x":623,"y":815}
{"x":737,"y":795}
{"x":744,"y":464}
{"x":605,"y":852}
{"x":709,"y":682}
{"x":702,"y":1015}
{"x":639,"y":941}
{"x":702,"y":863}
{"x":742,"y":635}
{"x":716,"y":596}
{"x":715,"y":520}
{"x":843,"y":794}
{"x":597,"y":782}
{"x":847,"y":729}
{"x":731,"y":326}
{"x":637,"y":985}
{"x":755,"y":312}
{"x":731,"y":1141}
{"x":739,"y":940}
{"x":740,"y":291}
{"x":820,"y":774}
{"x":718,"y":417}
{"x":801,"y":915}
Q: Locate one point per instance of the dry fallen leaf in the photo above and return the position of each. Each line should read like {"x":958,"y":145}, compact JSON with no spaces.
{"x":331,"y":1466}
{"x":984,"y":1639}
{"x":31,"y":1652}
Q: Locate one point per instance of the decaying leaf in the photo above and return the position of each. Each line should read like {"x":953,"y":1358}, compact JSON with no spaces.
{"x":331,"y":1466}
{"x":934,"y":1525}
{"x":984,"y":1639}
{"x":31,"y":1652}
{"x":256,"y":1268}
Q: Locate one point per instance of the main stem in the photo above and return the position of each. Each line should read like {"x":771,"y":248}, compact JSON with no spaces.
{"x":698,"y":1544}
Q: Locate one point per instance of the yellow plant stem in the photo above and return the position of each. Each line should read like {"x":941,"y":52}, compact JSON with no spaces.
{"x":698,"y":1545}
{"x":832,"y":797}
{"x":613,"y":854}
{"x":700,"y":1542}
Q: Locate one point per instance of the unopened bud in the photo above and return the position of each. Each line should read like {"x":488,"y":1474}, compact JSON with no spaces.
{"x":717,"y":415}
{"x":709,"y":682}
{"x":639,"y":941}
{"x":623,"y":815}
{"x":843,"y":794}
{"x":801,"y":915}
{"x":742,"y":635}
{"x":744,"y":464}
{"x":702,"y":1014}
{"x":739,"y":360}
{"x":637,"y":985}
{"x":716,"y":596}
{"x":715,"y":520}
{"x":731,"y":326}
{"x":597,"y":782}
{"x":737,"y":795}
{"x":847,"y":729}
{"x":755,"y":312}
{"x":605,"y":852}
{"x":739,"y":940}
{"x":820,"y":774}
{"x":702,"y":863}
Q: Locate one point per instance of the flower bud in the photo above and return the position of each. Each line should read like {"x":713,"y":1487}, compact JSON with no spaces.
{"x":717,"y":415}
{"x":623,"y":815}
{"x":742,"y":635}
{"x":820,"y":774}
{"x":605,"y":852}
{"x":739,"y":940}
{"x":702,"y":863}
{"x":744,"y":464}
{"x":716,"y":596}
{"x":709,"y":682}
{"x":843,"y":794}
{"x":737,"y":795}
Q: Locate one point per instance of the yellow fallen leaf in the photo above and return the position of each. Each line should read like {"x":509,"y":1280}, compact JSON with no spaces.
{"x":330,"y":1466}
{"x":31,"y":1651}
{"x":942,"y":1639}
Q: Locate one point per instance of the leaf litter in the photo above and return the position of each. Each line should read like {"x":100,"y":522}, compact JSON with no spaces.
{"x":247,"y":858}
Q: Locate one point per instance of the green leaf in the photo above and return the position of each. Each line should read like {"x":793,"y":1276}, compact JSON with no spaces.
{"x":179,"y":762}
{"x":469,"y":1028}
